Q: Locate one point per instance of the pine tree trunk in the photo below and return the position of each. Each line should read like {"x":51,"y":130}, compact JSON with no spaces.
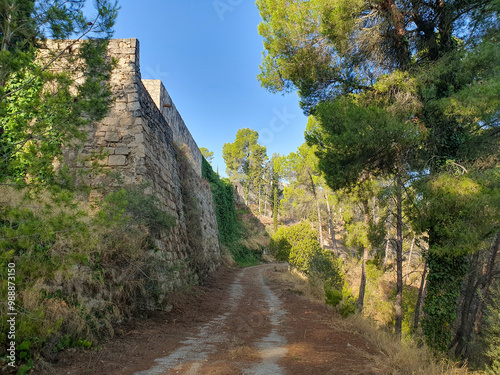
{"x":7,"y":34}
{"x":275,"y":209}
{"x":320,"y":230}
{"x":420,"y":298}
{"x":387,"y":245}
{"x":409,"y":259}
{"x":260,"y":211}
{"x":488,"y":274}
{"x":399,"y":258}
{"x":467,"y":307}
{"x":266,"y":198}
{"x":476,"y":292}
{"x":362,"y":284}
{"x":330,"y":221}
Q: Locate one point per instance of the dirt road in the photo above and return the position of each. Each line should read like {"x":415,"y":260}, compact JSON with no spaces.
{"x":246,"y":322}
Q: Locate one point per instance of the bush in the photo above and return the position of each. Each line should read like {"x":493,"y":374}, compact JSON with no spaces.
{"x":348,"y":306}
{"x":332,"y":296}
{"x":243,"y":256}
{"x":298,"y":245}
{"x":295,"y":244}
{"x":79,"y":269}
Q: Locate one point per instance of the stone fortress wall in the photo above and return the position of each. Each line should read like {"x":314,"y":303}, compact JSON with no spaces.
{"x":142,"y":136}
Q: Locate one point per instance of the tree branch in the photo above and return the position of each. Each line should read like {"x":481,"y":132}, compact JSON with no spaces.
{"x":52,"y":60}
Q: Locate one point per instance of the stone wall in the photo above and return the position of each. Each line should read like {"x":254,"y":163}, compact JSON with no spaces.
{"x":144,"y":139}
{"x":181,"y":134}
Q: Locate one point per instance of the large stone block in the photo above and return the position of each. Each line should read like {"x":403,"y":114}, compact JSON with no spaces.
{"x":112,"y":136}
{"x":122,"y":151}
{"x":116,"y":160}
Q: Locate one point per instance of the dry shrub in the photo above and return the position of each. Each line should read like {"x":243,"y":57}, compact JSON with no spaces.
{"x":243,"y":353}
{"x":255,"y":237}
{"x":227,"y":257}
{"x":310,"y":287}
{"x":80,"y":269}
{"x":398,"y":357}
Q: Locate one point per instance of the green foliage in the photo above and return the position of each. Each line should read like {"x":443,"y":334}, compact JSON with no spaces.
{"x":298,"y":244}
{"x":42,"y":109}
{"x":231,"y":231}
{"x":207,"y":154}
{"x":466,"y":206}
{"x":329,"y":48}
{"x":348,"y":305}
{"x":131,"y":205}
{"x":394,"y":94}
{"x":444,"y":280}
{"x":410,"y":296}
{"x":67,"y":257}
{"x":243,"y":256}
{"x":300,"y":170}
{"x":223,"y":196}
{"x":492,"y":331}
{"x":341,"y":298}
{"x":332,"y":296}
{"x":352,"y":134}
{"x":276,"y":175}
{"x":275,"y":207}
{"x":377,"y":304}
{"x":245,"y":161}
{"x":68,"y":342}
{"x":451,"y":206}
{"x":280,"y":247}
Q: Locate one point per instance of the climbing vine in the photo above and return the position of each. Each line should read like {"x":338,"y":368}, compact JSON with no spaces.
{"x":223,"y":196}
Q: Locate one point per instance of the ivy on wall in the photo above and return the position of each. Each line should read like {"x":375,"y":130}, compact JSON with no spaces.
{"x":223,"y":196}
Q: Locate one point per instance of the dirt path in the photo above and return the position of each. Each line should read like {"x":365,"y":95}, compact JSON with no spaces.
{"x":246,"y":322}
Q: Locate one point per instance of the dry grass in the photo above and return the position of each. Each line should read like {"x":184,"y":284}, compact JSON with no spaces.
{"x":397,"y":358}
{"x":256,"y":236}
{"x":255,"y":242}
{"x":86,"y":278}
{"x":243,"y":353}
{"x":301,"y":284}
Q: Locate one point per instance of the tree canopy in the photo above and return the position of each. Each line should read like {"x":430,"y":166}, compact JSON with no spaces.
{"x":207,"y":154}
{"x":245,"y":160}
{"x":326,"y":48}
{"x":405,"y":90}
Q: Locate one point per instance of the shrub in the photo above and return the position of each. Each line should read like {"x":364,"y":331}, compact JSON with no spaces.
{"x":332,"y":296}
{"x":295,"y":244}
{"x":78,"y":268}
{"x":298,"y":244}
{"x":243,"y":256}
{"x":348,"y":306}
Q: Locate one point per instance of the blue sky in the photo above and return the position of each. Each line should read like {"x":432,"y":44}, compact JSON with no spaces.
{"x":207,"y":53}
